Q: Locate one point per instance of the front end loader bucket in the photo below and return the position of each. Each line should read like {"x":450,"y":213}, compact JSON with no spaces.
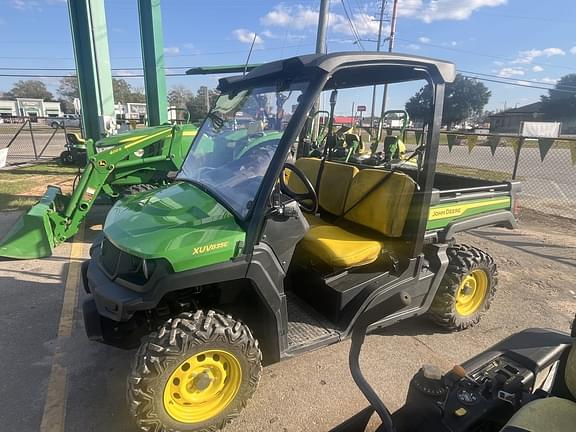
{"x":33,"y":235}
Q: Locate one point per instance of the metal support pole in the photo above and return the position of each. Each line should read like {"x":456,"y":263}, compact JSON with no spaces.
{"x":90,"y":41}
{"x":382,"y":7}
{"x":517,"y":159}
{"x":320,"y":49}
{"x":33,"y":141}
{"x":391,"y":39}
{"x":152,"y":41}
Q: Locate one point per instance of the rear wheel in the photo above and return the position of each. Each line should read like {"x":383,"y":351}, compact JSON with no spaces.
{"x":467,"y":289}
{"x":195,"y":374}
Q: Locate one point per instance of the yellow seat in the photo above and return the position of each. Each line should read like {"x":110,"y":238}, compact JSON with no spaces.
{"x":334,"y":184}
{"x":337,"y":248}
{"x":382,"y":211}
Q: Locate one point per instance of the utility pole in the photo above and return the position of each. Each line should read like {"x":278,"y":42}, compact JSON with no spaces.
{"x":322,"y":26}
{"x":320,"y":49}
{"x":379,"y":41}
{"x":391,"y":39}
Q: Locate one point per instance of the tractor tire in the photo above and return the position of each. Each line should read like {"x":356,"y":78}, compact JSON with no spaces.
{"x":195,"y":374}
{"x":466,"y":290}
{"x":139,"y":188}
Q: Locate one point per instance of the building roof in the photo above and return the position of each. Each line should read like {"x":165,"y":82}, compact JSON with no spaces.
{"x":524,"y":109}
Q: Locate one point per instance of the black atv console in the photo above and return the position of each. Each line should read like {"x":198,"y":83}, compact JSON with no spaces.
{"x":485,"y":391}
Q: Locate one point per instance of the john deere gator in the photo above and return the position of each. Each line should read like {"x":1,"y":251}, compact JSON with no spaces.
{"x":250,"y":257}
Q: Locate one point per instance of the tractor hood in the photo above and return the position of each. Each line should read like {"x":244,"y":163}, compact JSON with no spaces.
{"x":179,"y":223}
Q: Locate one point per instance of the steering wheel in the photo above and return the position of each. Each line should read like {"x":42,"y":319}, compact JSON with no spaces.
{"x":300,"y":198}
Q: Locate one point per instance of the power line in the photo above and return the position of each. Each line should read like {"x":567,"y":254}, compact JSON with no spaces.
{"x":483,"y":55}
{"x":516,"y":79}
{"x":354,"y":32}
{"x":519,"y":84}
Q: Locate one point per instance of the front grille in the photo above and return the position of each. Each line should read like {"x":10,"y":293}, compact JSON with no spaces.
{"x":117,"y":263}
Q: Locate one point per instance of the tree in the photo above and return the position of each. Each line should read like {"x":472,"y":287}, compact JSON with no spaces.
{"x":462,"y":99}
{"x":561,"y":101}
{"x":33,"y":89}
{"x":204,"y":100}
{"x":125,"y":93}
{"x":179,"y":96}
{"x":68,"y":90}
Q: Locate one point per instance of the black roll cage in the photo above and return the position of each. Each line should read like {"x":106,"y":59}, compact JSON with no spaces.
{"x":348,"y":70}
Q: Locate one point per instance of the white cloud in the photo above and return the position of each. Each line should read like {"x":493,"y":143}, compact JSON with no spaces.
{"x":172,"y":50}
{"x":247,"y":36}
{"x":424,"y":39}
{"x":573,"y":50}
{"x":549,"y":80}
{"x":300,"y":17}
{"x":437,"y":10}
{"x":537,"y":68}
{"x":413,"y":46}
{"x":508,"y":72}
{"x":268,"y":34}
{"x":498,"y":63}
{"x":25,"y":5}
{"x":525,"y":57}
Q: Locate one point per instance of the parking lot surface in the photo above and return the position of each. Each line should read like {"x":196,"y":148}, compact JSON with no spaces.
{"x":54,"y":379}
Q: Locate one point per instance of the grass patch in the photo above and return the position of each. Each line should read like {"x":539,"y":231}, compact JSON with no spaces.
{"x":472,"y":172}
{"x":22,"y":187}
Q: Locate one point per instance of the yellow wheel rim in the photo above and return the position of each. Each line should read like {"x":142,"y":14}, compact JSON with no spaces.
{"x":471,"y":292}
{"x":202,"y":386}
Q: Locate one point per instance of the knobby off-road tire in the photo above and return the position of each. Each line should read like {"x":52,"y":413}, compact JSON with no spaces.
{"x":181,"y":340}
{"x":466,"y":264}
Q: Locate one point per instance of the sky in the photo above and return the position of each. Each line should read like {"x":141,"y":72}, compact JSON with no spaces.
{"x":527,"y":42}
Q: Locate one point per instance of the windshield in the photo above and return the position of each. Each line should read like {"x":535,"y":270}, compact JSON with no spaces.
{"x":236,"y":143}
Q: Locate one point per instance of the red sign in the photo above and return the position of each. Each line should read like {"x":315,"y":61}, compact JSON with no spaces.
{"x":361,"y":108}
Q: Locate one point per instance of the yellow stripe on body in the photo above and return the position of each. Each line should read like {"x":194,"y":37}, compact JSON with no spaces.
{"x":459,"y":209}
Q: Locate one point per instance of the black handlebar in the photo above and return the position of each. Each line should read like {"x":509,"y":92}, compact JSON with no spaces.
{"x":371,"y":315}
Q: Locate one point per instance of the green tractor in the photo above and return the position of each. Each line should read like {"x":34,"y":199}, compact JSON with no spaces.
{"x":117,"y":165}
{"x":250,"y":257}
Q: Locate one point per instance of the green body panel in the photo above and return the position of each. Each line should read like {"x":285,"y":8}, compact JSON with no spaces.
{"x":32,"y":235}
{"x":179,"y":223}
{"x":142,"y":156}
{"x":443,"y":214}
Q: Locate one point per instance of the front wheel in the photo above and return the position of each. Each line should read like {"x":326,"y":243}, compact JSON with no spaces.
{"x":466,"y":290}
{"x":195,"y":374}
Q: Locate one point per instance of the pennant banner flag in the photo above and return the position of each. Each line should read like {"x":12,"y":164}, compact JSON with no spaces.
{"x":451,"y":141}
{"x":544,"y":144}
{"x":573,"y":153}
{"x":493,"y":141}
{"x":472,"y":141}
{"x":418,"y":135}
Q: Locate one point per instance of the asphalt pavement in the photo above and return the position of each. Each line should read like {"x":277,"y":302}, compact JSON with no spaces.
{"x":53,"y":379}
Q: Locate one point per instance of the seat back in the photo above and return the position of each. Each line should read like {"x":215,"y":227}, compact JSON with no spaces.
{"x":334,"y":183}
{"x":570,"y":371}
{"x":383,"y":209}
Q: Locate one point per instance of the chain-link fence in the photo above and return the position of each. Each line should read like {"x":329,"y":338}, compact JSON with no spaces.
{"x":546,"y":167}
{"x":31,"y":139}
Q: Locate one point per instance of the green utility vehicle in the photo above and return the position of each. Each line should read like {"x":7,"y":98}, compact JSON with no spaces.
{"x":117,"y":165}
{"x":248,"y":257}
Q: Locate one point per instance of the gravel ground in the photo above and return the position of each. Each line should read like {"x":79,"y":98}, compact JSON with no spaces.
{"x":312,"y":392}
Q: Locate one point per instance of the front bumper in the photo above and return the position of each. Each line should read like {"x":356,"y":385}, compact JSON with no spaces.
{"x":112,"y":300}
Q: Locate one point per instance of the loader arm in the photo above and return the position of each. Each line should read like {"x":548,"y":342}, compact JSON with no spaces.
{"x":113,"y":162}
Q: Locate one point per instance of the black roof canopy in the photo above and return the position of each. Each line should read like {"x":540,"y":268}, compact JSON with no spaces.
{"x":348,"y":69}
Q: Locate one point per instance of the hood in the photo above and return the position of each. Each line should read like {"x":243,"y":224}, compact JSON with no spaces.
{"x":179,"y":223}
